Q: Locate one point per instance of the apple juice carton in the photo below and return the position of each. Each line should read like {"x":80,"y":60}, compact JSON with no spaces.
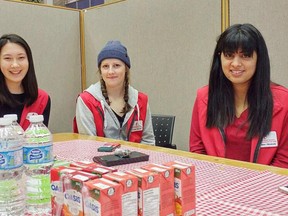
{"x":73,"y":199}
{"x":56,"y":175}
{"x":82,"y":164}
{"x":167,"y":195}
{"x":184,"y":184}
{"x":129,"y":184}
{"x":99,"y":170}
{"x":102,"y":197}
{"x":148,"y":192}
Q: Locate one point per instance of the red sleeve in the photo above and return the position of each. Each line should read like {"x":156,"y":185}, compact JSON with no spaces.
{"x":281,"y":156}
{"x":196,"y":143}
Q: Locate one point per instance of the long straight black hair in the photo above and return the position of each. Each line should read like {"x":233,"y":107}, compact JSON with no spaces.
{"x":29,"y":82}
{"x":221,"y":107}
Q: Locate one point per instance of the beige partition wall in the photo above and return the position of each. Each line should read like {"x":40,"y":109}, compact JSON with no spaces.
{"x":53,"y":35}
{"x":271,"y":18}
{"x":170,"y":44}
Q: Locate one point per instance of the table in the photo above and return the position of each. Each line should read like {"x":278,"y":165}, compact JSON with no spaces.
{"x":223,"y":186}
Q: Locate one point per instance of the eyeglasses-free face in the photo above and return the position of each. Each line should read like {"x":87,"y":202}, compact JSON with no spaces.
{"x":113,"y":72}
{"x":239,"y":67}
{"x":14,"y":65}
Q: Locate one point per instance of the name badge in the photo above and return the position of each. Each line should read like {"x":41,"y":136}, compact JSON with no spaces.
{"x":137,"y":126}
{"x":270,"y":140}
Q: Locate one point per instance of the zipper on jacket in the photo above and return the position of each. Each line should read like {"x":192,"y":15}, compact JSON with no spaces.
{"x":223,"y":135}
{"x":102,"y":115}
{"x":257,"y":149}
{"x":132,"y":123}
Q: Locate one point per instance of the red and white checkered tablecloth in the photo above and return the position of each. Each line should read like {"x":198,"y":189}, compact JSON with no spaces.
{"x":220,"y":189}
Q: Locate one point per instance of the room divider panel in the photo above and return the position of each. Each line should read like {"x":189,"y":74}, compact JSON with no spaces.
{"x":170,"y":44}
{"x":53,"y":35}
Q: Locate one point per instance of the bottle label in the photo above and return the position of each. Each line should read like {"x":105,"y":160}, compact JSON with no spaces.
{"x":35,"y":154}
{"x":11,"y":159}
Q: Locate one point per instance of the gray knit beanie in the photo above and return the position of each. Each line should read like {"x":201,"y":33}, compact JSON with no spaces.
{"x":114,"y":49}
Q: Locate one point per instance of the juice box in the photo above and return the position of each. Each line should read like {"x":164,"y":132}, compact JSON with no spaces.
{"x":102,"y":197}
{"x":73,"y":199}
{"x":184,"y":184}
{"x":167,"y":194}
{"x":82,"y":164}
{"x":148,"y":192}
{"x":129,"y":184}
{"x":57,"y":174}
{"x":99,"y":170}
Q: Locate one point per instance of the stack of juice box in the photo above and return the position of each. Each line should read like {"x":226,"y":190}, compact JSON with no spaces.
{"x":87,"y":188}
{"x":184,"y":188}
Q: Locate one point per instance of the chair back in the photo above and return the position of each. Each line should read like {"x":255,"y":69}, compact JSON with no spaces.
{"x":163,"y":126}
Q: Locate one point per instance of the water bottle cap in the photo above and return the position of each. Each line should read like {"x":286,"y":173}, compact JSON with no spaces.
{"x":5,"y":121}
{"x":14,"y":117}
{"x":36,"y":118}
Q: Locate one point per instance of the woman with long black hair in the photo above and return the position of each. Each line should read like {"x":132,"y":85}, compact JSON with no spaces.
{"x":19,"y":92}
{"x":241,"y":114}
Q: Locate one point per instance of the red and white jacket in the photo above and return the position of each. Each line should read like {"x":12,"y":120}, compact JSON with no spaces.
{"x":95,"y":117}
{"x":37,"y":107}
{"x":209,"y":140}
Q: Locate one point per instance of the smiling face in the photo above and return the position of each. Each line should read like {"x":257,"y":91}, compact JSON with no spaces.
{"x":14,"y":65}
{"x":113,"y":72}
{"x":239,"y":67}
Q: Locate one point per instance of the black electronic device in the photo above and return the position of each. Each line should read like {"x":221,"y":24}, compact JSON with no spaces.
{"x":114,"y":160}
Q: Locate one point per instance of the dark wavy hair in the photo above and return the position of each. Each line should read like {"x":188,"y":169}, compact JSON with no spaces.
{"x":221,"y":108}
{"x":29,"y":82}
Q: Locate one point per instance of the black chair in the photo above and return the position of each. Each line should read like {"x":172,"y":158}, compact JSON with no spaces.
{"x":163,"y":126}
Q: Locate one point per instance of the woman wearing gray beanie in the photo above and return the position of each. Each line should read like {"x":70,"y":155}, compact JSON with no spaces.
{"x":111,"y":107}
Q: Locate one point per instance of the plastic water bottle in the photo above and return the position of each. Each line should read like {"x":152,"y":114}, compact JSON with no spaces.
{"x":12,"y":182}
{"x":38,"y":160}
{"x":15,"y":124}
